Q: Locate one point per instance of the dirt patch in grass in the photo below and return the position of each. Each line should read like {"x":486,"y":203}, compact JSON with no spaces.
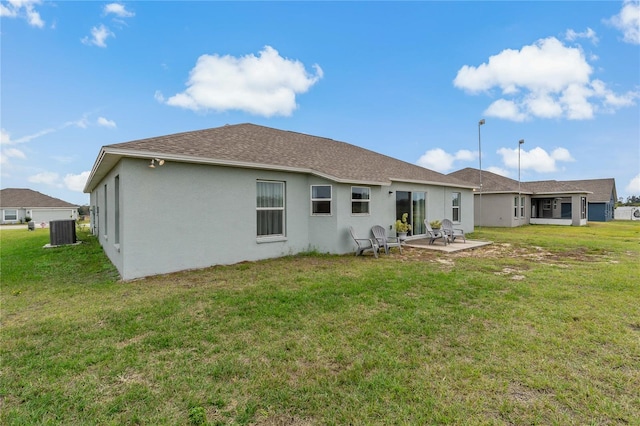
{"x":501,"y":251}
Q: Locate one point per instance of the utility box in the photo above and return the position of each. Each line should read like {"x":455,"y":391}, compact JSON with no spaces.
{"x":62,"y":232}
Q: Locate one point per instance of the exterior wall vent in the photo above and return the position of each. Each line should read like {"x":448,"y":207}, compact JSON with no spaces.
{"x":62,"y":232}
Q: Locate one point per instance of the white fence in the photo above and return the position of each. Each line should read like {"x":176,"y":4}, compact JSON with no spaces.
{"x":626,"y":213}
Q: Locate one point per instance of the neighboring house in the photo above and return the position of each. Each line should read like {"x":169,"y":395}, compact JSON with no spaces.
{"x":18,"y":204}
{"x":557,"y":203}
{"x":246,"y":192}
{"x":602,"y":200}
{"x":505,"y":202}
{"x":497,"y":203}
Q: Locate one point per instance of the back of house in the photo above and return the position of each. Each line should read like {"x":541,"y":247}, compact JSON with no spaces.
{"x":246,"y":192}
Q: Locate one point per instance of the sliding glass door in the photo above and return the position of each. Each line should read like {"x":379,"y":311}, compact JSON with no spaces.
{"x":413,"y":203}
{"x":419,"y":212}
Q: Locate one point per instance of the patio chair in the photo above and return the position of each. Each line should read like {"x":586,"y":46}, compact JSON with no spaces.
{"x":364,"y":244}
{"x":380,"y":237}
{"x":433,"y":234}
{"x":452,"y":233}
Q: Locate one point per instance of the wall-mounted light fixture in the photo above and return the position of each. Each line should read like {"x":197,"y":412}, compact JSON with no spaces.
{"x":152,"y":164}
{"x":390,"y":192}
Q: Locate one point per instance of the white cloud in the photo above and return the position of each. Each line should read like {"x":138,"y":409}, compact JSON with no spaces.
{"x":6,"y":140}
{"x":118,"y":9}
{"x":158,"y":96}
{"x":466,"y":155}
{"x":633,"y":188}
{"x":7,"y":153}
{"x":544,"y":106}
{"x":13,"y":153}
{"x":7,"y":11}
{"x":48,"y":178}
{"x":546,"y":80}
{"x":589,"y":34}
{"x":576,"y":103}
{"x":76,"y":182}
{"x":264,"y":85}
{"x":22,"y":9}
{"x":441,"y":161}
{"x":536,"y":159}
{"x":83,"y":123}
{"x":99,"y":35}
{"x":106,"y":123}
{"x":628,"y":21}
{"x":5,"y":137}
{"x":612,"y":99}
{"x":505,"y":109}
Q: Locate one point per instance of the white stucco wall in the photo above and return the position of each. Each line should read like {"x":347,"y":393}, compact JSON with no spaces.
{"x":498,"y":209}
{"x":184,"y":216}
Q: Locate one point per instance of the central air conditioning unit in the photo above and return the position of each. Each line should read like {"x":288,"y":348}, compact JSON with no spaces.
{"x":62,"y":232}
{"x":635,"y":213}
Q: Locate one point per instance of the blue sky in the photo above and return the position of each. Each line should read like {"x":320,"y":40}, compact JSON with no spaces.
{"x":407,"y":79}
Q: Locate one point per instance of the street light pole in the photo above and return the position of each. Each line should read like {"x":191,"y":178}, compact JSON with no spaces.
{"x":480,"y":123}
{"x":520,"y":142}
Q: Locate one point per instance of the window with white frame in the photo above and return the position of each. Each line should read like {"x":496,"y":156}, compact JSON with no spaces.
{"x":270,"y":211}
{"x":515,"y":207}
{"x":456,"y":199}
{"x":360,"y":197}
{"x":10,"y":215}
{"x":583,"y":207}
{"x":522,"y":206}
{"x":321,"y":200}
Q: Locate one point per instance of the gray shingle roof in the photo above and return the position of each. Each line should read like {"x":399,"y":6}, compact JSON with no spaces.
{"x":250,"y":145}
{"x":552,"y":187}
{"x":491,"y":182}
{"x":603,"y":189}
{"x":27,"y":198}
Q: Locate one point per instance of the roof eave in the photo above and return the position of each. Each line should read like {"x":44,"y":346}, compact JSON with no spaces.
{"x":109,"y":157}
{"x":434,"y":183}
{"x":512,"y":191}
{"x":561,"y":192}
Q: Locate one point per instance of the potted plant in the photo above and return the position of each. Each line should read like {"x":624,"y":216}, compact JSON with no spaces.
{"x":402,"y":227}
{"x":435,"y":224}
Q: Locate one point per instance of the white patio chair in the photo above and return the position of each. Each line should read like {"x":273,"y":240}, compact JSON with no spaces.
{"x":380,"y":236}
{"x":364,"y":244}
{"x":452,"y":233}
{"x":434,"y":235}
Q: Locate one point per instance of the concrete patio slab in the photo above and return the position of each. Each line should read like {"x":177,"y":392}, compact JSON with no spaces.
{"x":449,"y":248}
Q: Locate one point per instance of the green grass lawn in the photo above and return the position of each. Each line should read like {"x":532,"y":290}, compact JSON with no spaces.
{"x":541,"y":327}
